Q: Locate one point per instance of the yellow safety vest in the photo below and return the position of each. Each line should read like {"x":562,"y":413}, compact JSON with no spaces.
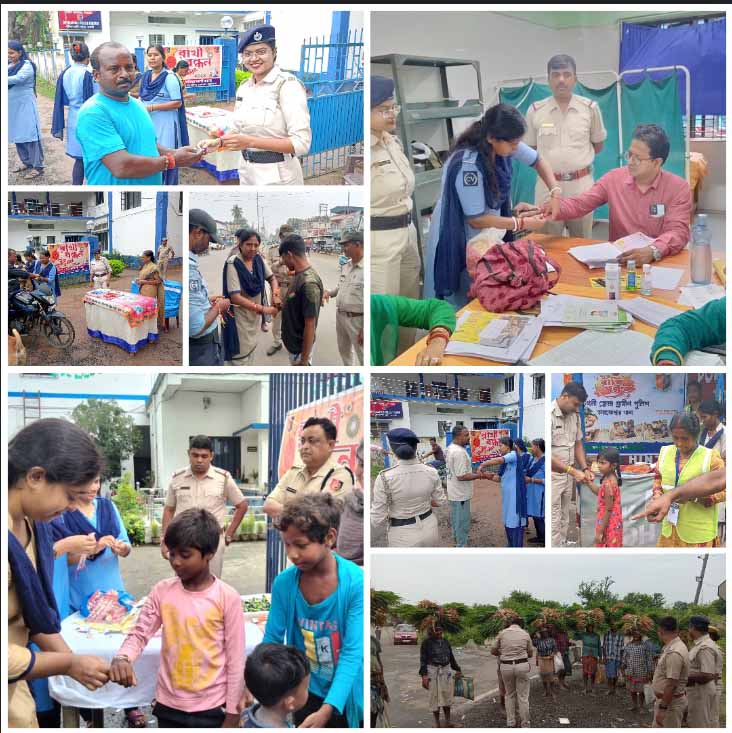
{"x":697,"y":524}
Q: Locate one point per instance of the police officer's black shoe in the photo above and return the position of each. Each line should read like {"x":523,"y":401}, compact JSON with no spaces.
{"x":274,"y":349}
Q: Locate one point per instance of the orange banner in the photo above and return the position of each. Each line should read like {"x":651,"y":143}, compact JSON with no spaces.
{"x":345,"y":410}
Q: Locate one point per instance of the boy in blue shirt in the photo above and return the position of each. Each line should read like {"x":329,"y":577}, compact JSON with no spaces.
{"x":317,"y":606}
{"x":116,"y":134}
{"x":278,"y":677}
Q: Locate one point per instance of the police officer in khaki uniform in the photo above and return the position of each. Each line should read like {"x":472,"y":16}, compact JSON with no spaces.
{"x":514,"y":648}
{"x":567,"y":130}
{"x":284,"y":278}
{"x":204,"y":486}
{"x":319,"y":470}
{"x":405,"y":494}
{"x":567,"y":449}
{"x":271,"y":116}
{"x":719,"y":674}
{"x":704,"y":660}
{"x":669,"y":679}
{"x":349,"y":300}
{"x":395,"y":262}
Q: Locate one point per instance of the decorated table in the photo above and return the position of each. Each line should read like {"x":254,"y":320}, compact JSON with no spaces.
{"x":127,"y":320}
{"x":206,"y":123}
{"x":575,"y":280}
{"x":84,"y":638}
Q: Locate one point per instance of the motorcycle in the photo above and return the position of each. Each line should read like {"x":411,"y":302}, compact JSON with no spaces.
{"x":31,"y":312}
{"x":441,"y":470}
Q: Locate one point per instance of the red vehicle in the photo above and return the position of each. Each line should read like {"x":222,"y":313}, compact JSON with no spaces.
{"x":405,"y":634}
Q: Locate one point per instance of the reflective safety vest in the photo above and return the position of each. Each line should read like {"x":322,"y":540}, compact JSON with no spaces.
{"x":697,"y":523}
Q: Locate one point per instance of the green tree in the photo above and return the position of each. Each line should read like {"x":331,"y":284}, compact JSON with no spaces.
{"x":130,"y":507}
{"x":112,"y":428}
{"x":645,"y":600}
{"x":597,"y":592}
{"x":30,"y":28}
{"x":237,"y":218}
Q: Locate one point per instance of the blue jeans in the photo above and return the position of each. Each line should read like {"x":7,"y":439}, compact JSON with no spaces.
{"x":436,"y":464}
{"x":460,"y":518}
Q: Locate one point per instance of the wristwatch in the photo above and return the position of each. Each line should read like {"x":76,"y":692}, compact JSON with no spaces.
{"x":657,"y":256}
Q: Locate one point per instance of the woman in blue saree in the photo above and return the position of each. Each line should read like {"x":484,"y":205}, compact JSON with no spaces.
{"x":513,"y":489}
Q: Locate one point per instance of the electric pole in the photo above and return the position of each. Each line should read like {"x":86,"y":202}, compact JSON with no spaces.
{"x":258,"y":227}
{"x":700,"y":579}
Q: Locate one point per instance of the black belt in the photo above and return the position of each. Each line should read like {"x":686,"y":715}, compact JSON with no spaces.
{"x":384,"y":223}
{"x":411,"y":520}
{"x":208,"y":338}
{"x":262,"y":156}
{"x":351,"y":314}
{"x":514,"y":661}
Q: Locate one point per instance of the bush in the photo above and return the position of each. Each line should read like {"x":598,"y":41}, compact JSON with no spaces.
{"x":241,"y":76}
{"x":135,"y":527}
{"x":130,"y":507}
{"x":117,"y":267}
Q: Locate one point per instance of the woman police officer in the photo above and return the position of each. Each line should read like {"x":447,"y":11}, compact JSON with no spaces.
{"x":405,"y":494}
{"x":271,"y":117}
{"x":395,"y":261}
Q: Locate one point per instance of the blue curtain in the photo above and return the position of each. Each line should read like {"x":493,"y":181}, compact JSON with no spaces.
{"x":700,"y":47}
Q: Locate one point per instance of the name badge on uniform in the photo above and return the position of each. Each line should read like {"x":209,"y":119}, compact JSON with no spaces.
{"x":194,"y":285}
{"x":673,"y":514}
{"x":470,"y":178}
{"x":657,"y":210}
{"x":291,"y":490}
{"x":184,"y":488}
{"x":379,"y":163}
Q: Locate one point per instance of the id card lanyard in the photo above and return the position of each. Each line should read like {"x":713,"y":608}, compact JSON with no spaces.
{"x":673,"y":512}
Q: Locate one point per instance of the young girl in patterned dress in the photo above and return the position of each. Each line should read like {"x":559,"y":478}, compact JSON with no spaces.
{"x":609,"y":522}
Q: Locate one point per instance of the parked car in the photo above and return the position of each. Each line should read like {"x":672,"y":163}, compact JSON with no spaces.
{"x":405,"y":634}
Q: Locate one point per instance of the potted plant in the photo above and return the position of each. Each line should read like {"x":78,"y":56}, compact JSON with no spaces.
{"x":155,"y":532}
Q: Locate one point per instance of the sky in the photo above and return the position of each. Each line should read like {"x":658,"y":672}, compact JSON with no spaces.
{"x":275,"y":207}
{"x":486,"y":578}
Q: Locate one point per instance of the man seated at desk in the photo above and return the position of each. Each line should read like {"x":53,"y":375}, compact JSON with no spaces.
{"x":641,"y":198}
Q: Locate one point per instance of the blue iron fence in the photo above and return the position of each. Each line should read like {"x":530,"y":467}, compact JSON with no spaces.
{"x":333,"y":72}
{"x":286,"y":392}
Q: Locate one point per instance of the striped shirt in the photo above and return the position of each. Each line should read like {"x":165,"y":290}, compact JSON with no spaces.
{"x":612,"y":646}
{"x":637,"y":661}
{"x":545,"y":647}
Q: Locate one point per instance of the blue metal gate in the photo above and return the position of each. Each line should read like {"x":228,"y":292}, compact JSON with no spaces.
{"x":286,"y":392}
{"x":333,"y":72}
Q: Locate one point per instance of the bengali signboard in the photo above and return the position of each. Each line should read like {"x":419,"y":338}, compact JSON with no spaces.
{"x":484,"y":443}
{"x":80,"y":20}
{"x":344,"y":410}
{"x":204,"y":64}
{"x":71,"y":259}
{"x":386,"y":409}
{"x":631,"y":411}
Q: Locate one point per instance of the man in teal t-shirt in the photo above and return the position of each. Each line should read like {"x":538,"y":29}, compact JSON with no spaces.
{"x":591,"y":644}
{"x":116,"y":134}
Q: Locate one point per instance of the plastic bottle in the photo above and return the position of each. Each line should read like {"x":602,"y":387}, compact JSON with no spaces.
{"x":701,"y":251}
{"x":646,"y":281}
{"x":612,"y":281}
{"x":631,"y":279}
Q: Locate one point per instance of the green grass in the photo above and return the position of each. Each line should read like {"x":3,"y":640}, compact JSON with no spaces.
{"x":46,"y":88}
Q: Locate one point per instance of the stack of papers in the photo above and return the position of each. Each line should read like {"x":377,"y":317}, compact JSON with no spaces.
{"x":597,"y":255}
{"x":589,"y":313}
{"x":654,"y":314}
{"x":589,"y":348}
{"x":502,"y":337}
{"x":698,"y":295}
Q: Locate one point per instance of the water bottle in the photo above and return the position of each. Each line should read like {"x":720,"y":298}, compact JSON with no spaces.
{"x":646,"y":281}
{"x":701,"y":251}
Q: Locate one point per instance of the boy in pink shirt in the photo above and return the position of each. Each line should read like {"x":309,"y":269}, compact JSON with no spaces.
{"x":200,"y":681}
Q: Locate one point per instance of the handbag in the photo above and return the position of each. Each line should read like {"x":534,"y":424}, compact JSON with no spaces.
{"x":558,"y":662}
{"x":465,"y":687}
{"x":513,"y":276}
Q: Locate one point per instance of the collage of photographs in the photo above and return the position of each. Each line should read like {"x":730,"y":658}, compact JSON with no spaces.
{"x":544,"y":193}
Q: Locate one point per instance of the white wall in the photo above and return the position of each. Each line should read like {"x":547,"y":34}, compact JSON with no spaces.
{"x":134,"y":230}
{"x":506,"y":48}
{"x":18,"y":231}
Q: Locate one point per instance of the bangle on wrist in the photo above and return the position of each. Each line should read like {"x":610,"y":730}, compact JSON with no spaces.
{"x":171,"y":160}
{"x":515,"y":224}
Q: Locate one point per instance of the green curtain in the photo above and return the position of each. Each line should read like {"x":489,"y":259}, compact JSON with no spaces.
{"x":656,"y":102}
{"x":644,"y":102}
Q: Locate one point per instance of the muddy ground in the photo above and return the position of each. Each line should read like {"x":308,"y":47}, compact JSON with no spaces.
{"x":88,"y":351}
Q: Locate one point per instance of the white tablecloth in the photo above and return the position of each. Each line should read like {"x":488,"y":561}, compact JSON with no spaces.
{"x":72,"y":694}
{"x":114,"y":327}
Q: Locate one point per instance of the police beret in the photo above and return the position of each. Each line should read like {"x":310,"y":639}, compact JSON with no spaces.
{"x":351,"y":235}
{"x":402,"y":435}
{"x":260,"y":34}
{"x":382,"y":89}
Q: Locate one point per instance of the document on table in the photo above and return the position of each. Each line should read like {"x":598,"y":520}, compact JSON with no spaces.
{"x":597,"y":255}
{"x":702,"y":358}
{"x":503,"y":337}
{"x":649,"y":312}
{"x":698,"y":295}
{"x":571,"y":311}
{"x":590,"y":348}
{"x":665,"y":278}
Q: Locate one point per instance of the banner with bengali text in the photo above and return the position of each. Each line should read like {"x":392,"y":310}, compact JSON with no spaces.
{"x":71,"y":259}
{"x":204,"y":64}
{"x":484,"y":443}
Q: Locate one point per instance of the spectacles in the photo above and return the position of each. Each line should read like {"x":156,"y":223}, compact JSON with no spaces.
{"x":390,"y":111}
{"x":260,"y":53}
{"x":633,"y":158}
